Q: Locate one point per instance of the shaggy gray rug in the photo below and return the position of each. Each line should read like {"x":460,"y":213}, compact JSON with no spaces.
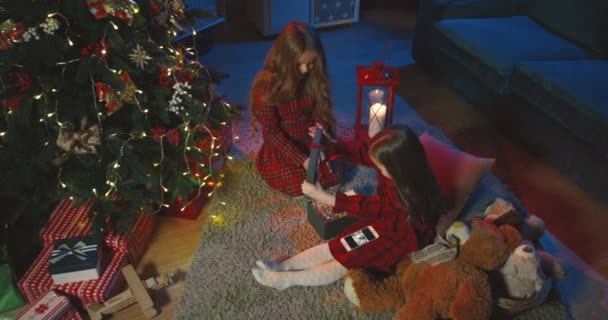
{"x":249,"y":221}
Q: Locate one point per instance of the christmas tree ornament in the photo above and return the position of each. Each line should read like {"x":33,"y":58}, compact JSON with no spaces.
{"x":180,"y":95}
{"x":10,"y":32}
{"x":165,"y":11}
{"x":108,"y":94}
{"x":82,"y":141}
{"x":116,"y":99}
{"x":176,"y":7}
{"x":21,"y":82}
{"x":50,"y":25}
{"x":168,"y":77}
{"x":97,"y":50}
{"x":122,"y":9}
{"x":139,"y":57}
{"x":171,"y":136}
{"x":127,"y":95}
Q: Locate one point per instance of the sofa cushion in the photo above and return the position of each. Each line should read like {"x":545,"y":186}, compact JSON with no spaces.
{"x":457,"y":172}
{"x":491,"y":47}
{"x":573,"y":93}
{"x":582,"y":21}
{"x":431,"y":11}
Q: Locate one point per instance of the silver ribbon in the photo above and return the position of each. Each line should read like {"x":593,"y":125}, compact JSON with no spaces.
{"x":79,"y":250}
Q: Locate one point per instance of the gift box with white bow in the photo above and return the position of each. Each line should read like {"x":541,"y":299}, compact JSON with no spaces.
{"x":75,"y":259}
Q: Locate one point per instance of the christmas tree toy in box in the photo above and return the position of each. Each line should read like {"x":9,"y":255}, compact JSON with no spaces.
{"x":322,"y":217}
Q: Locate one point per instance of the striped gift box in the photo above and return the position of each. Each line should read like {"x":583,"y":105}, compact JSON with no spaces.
{"x":37,"y":281}
{"x":136,"y":241}
{"x":70,"y":220}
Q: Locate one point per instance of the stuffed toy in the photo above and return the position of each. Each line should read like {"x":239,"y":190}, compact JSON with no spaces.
{"x":455,"y":289}
{"x":525,"y":280}
{"x":502,"y":212}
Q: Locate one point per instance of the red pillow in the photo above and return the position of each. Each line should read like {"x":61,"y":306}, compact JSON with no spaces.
{"x":458,"y":173}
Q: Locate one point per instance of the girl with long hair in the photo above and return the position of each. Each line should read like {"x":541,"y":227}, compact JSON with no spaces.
{"x":290,"y":95}
{"x":403,"y":212}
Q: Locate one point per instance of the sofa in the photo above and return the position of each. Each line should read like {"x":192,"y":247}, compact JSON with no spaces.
{"x":537,"y":68}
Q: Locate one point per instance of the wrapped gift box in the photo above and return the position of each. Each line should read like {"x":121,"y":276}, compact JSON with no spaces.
{"x":70,"y":220}
{"x":110,"y":282}
{"x":75,"y":259}
{"x":327,"y":223}
{"x":49,"y":306}
{"x":37,"y":281}
{"x":67,"y":220}
{"x":135,"y":242}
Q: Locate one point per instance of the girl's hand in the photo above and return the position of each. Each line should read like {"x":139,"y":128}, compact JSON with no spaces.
{"x":305,"y":164}
{"x":311,"y":132}
{"x":317,"y":193}
{"x":310,"y":189}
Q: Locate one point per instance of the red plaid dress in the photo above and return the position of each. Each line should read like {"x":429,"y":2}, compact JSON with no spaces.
{"x":286,"y":145}
{"x":384,"y":212}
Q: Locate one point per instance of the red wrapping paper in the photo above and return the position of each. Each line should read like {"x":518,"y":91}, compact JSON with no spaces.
{"x":99,"y":290}
{"x":37,"y":281}
{"x":136,"y":241}
{"x":49,"y":306}
{"x":69,"y":220}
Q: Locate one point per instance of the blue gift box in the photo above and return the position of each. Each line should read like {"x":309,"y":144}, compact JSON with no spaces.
{"x":75,"y":259}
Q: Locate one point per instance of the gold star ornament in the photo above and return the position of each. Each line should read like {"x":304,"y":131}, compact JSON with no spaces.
{"x":139,"y":57}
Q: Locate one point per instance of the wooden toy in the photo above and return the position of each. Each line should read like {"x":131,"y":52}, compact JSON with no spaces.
{"x":137,"y":292}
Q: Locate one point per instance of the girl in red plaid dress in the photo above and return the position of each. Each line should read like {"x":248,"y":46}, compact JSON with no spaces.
{"x":290,"y":95}
{"x":404,"y":211}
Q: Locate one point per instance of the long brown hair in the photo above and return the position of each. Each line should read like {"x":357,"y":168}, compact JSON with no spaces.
{"x":402,"y":153}
{"x":280,"y":80}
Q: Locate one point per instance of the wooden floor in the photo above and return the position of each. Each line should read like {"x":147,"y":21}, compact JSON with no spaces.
{"x":174,"y":242}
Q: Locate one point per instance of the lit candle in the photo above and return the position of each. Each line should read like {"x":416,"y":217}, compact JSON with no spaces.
{"x":377,"y":112}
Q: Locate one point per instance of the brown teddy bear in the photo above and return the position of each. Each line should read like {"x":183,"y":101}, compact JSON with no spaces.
{"x":455,"y":289}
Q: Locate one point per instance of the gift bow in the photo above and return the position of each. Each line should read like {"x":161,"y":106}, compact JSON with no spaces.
{"x":116,"y":99}
{"x":168,"y":10}
{"x":122,"y":9}
{"x":79,"y":250}
{"x":441,"y":251}
{"x":79,"y":142}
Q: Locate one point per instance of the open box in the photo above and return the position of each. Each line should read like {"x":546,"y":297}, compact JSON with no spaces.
{"x":327,"y":223}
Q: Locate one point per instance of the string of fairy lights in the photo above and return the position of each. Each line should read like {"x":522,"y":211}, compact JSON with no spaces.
{"x":113,"y":174}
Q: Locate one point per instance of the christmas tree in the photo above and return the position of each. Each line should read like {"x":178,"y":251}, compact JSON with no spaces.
{"x":97,"y":102}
